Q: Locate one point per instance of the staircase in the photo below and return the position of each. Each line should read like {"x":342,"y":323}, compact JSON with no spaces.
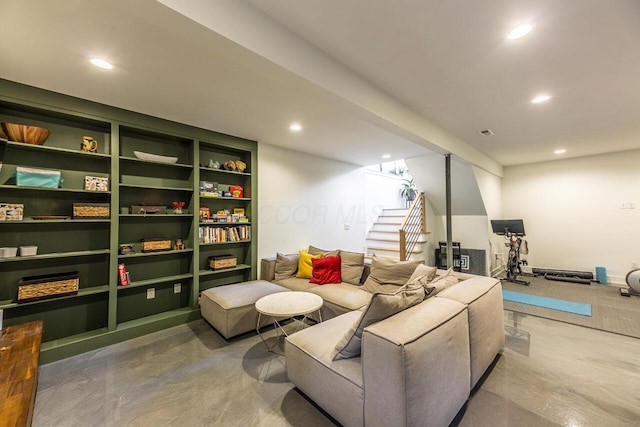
{"x":383,"y":238}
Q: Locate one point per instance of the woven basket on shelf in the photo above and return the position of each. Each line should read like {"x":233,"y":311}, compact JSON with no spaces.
{"x":152,"y":245}
{"x":48,"y":286}
{"x":91,"y":210}
{"x":222,"y":261}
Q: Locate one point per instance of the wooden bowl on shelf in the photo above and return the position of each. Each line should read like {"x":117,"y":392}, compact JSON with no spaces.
{"x":27,"y":134}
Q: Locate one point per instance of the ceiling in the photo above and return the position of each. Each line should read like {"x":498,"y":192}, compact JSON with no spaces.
{"x":363,"y":77}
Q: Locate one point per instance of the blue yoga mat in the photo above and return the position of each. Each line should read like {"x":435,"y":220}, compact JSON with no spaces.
{"x":552,"y":303}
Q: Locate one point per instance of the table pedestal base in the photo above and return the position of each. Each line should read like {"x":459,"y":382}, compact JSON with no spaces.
{"x":280,"y":332}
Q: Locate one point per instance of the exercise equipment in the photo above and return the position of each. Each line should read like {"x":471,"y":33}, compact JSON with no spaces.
{"x":633,"y":280}
{"x":567,"y":279}
{"x":583,"y":277}
{"x":513,"y":231}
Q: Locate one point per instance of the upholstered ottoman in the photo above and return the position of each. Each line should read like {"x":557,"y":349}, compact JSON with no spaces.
{"x":230,"y":309}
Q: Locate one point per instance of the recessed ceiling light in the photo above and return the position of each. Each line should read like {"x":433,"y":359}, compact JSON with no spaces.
{"x":540,"y":98}
{"x":520,"y":31}
{"x":386,"y":156}
{"x":295,"y":127}
{"x":101,"y":63}
{"x":560,"y":151}
{"x":487,"y":132}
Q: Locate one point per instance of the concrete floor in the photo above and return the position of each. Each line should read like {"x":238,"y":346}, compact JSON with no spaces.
{"x":549,"y":374}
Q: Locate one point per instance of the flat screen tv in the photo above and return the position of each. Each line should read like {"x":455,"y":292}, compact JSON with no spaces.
{"x":502,"y":226}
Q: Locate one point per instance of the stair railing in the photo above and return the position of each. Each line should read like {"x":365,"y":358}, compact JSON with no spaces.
{"x":413,"y":225}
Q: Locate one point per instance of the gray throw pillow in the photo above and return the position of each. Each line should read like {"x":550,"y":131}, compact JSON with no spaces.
{"x":440,"y":283}
{"x":351,"y":266}
{"x":286,"y":265}
{"x":422,"y":276}
{"x":379,"y":308}
{"x":387,"y":274}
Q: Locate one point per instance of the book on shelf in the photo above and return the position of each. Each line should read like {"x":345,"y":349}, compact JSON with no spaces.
{"x":224,"y":234}
{"x":224,"y":218}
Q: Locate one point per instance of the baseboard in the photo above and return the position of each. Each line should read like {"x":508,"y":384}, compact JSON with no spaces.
{"x":497,"y":271}
{"x":618,"y":281}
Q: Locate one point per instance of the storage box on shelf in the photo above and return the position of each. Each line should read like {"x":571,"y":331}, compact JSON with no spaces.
{"x":48,"y":286}
{"x":222,"y":261}
{"x":139,"y":160}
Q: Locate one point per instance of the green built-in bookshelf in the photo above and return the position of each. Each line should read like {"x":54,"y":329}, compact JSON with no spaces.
{"x":103,"y":312}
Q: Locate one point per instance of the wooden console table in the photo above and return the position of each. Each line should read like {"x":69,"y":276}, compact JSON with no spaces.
{"x":19,"y":357}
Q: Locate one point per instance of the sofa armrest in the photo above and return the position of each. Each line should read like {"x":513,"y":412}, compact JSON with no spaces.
{"x":483,"y":297}
{"x":268,"y":269}
{"x":420,"y":356}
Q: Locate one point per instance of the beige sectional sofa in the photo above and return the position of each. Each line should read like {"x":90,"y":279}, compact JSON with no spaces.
{"x":416,"y":368}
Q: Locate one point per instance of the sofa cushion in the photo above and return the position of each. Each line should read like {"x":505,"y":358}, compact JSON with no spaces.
{"x":305,"y":267}
{"x":381,"y":306}
{"x":295,"y":284}
{"x":317,"y":251}
{"x":440,"y":283}
{"x":326,"y":270}
{"x":352,"y":266}
{"x":387,"y":275}
{"x":336,"y":386}
{"x":346,"y":296}
{"x":286,"y":265}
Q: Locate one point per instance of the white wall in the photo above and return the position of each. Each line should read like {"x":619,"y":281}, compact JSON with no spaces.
{"x":305,"y":199}
{"x":382,"y":190}
{"x":571,"y":211}
{"x":490,"y":187}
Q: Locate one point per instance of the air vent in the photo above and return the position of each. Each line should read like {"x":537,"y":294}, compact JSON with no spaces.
{"x":487,"y":132}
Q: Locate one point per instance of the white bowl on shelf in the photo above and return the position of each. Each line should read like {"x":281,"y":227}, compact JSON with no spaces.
{"x":28,"y":250}
{"x":8,"y":252}
{"x":154,"y":157}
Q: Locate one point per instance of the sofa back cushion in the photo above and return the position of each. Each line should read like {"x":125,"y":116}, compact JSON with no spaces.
{"x":317,"y":251}
{"x":286,"y":265}
{"x":387,"y":275}
{"x":352,"y":267}
{"x":381,"y":306}
{"x":326,"y":270}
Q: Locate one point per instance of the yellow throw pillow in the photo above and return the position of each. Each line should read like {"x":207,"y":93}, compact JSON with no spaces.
{"x":305,"y":269}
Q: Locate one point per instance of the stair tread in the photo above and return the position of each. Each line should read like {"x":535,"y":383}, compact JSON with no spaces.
{"x":383,"y":239}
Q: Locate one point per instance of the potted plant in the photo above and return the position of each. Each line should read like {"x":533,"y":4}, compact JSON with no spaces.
{"x":408,"y":190}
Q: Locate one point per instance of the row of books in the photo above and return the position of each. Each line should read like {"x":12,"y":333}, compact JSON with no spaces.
{"x":225,"y":218}
{"x":224,"y":234}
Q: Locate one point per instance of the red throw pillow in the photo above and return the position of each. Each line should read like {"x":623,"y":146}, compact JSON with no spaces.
{"x":326,"y":270}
